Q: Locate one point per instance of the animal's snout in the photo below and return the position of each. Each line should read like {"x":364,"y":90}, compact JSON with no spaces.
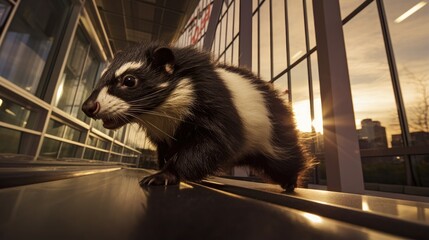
{"x":91,"y":108}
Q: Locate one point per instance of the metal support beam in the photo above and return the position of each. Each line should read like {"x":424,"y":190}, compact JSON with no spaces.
{"x":342,"y":156}
{"x":211,"y":28}
{"x":245,"y":48}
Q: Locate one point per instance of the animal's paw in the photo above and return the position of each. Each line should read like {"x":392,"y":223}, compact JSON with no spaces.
{"x":160,"y":179}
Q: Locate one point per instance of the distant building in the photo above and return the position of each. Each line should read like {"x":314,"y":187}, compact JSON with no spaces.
{"x":417,"y":139}
{"x":372,"y":135}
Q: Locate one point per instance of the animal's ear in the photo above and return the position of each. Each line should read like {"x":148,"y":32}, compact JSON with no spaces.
{"x":163,"y":58}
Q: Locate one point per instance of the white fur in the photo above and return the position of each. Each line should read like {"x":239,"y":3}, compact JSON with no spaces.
{"x":110,"y":104}
{"x":127,"y":66}
{"x":166,"y":118}
{"x":252,"y":110}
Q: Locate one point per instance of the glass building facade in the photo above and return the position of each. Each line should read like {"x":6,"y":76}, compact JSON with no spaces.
{"x":50,"y":60}
{"x":51,"y":56}
{"x":387,"y":52}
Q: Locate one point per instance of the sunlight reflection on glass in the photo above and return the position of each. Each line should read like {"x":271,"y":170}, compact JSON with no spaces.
{"x":410,"y":12}
{"x":313,"y":218}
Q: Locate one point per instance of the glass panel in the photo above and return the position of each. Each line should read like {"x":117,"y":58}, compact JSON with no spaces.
{"x":98,"y":124}
{"x":89,"y":153}
{"x":255,"y":44}
{"x":50,"y":148}
{"x":120,"y":134}
{"x":279,"y":37}
{"x":89,"y":77}
{"x":102,"y":144}
{"x":5,"y":8}
{"x":100,"y":156}
{"x":254,"y":4}
{"x":237,"y":17}
{"x":10,"y":140}
{"x":92,"y":141}
{"x":265,"y":45}
{"x":310,"y":21}
{"x":55,"y":128}
{"x":300,"y":97}
{"x":296,"y":29}
{"x":117,"y":148}
{"x":348,"y":6}
{"x":222,"y":35}
{"x":421,"y":169}
{"x":69,"y":151}
{"x":13,"y":113}
{"x":235,"y":55}
{"x":392,"y":169}
{"x":69,"y":83}
{"x":228,"y":56}
{"x":318,"y":115}
{"x":72,"y":134}
{"x":115,"y":158}
{"x":370,"y":80}
{"x":412,"y":61}
{"x":131,"y":160}
{"x":30,"y":41}
{"x":230,"y":24}
{"x":281,"y":85}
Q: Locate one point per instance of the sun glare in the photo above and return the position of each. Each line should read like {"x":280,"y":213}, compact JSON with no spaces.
{"x":303,"y":118}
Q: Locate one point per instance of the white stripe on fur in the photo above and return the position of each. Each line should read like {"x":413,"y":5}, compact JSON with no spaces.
{"x":253,"y":112}
{"x":109,"y":104}
{"x":175,"y":108}
{"x":127,"y":66}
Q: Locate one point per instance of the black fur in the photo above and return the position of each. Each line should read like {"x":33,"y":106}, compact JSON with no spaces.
{"x":211,"y":136}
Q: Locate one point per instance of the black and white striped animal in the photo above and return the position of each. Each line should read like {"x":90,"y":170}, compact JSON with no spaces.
{"x":200,"y":115}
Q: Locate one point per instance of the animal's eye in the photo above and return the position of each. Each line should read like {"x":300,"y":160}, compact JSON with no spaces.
{"x":129,"y":81}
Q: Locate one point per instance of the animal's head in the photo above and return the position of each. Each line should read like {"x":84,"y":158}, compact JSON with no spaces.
{"x":137,"y":81}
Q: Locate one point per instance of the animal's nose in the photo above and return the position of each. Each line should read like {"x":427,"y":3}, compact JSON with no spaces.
{"x":91,"y":108}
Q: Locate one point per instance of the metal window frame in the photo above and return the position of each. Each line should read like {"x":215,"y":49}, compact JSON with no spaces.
{"x":342,"y":153}
{"x":46,"y":110}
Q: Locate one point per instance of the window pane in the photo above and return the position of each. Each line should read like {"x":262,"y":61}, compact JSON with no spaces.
{"x":237,"y":17}
{"x":301,"y":97}
{"x":89,"y":77}
{"x":56,"y":128}
{"x":410,"y":40}
{"x":72,"y":134}
{"x":69,"y":151}
{"x":318,"y":115}
{"x":72,"y":73}
{"x":310,"y":21}
{"x":102,"y":144}
{"x":89,"y":153}
{"x":235,"y":56}
{"x":281,"y":85}
{"x":9,"y":140}
{"x":296,"y":29}
{"x":30,"y":41}
{"x":13,"y":113}
{"x":265,"y":45}
{"x":373,"y":99}
{"x":421,"y":169}
{"x":116,"y":148}
{"x":230,"y":24}
{"x":392,"y":169}
{"x":50,"y":148}
{"x":5,"y":8}
{"x":255,"y":44}
{"x":92,"y":141}
{"x":115,"y":158}
{"x":279,"y":37}
{"x":348,"y":6}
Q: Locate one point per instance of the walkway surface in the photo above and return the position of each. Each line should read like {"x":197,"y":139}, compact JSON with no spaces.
{"x":112,"y":205}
